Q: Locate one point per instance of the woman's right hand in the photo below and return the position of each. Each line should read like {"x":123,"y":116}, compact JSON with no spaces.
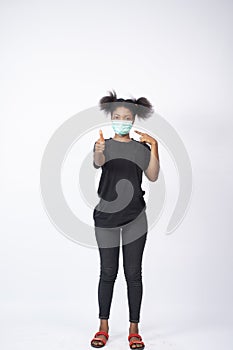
{"x":100,"y":143}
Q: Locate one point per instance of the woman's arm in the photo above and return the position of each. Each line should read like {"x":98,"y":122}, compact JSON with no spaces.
{"x":152,"y":171}
{"x":99,"y":147}
{"x":99,"y":158}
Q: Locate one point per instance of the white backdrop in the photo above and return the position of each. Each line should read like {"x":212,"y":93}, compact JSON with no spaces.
{"x":59,"y":58}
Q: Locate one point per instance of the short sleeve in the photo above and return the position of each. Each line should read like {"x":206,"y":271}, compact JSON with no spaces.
{"x":147,"y":152}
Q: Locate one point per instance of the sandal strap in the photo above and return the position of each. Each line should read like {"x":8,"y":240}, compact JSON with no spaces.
{"x":134,"y":335}
{"x":99,"y":339}
{"x":103,"y":333}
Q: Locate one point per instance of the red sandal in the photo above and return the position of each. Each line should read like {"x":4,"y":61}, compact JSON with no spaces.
{"x":136,"y":341}
{"x":100,"y":339}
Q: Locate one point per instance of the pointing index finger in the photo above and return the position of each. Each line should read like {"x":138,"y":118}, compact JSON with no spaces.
{"x":139,"y":132}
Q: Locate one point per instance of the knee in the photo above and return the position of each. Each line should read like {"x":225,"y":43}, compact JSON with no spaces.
{"x":133,"y":273}
{"x":109,"y":273}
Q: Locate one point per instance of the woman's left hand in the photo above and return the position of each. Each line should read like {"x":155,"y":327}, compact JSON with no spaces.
{"x":146,"y":138}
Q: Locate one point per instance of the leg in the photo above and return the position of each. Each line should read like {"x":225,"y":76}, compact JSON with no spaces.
{"x":109,"y":264}
{"x":132,"y":257}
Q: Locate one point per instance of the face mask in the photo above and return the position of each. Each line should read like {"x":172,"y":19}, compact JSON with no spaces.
{"x":122,"y":127}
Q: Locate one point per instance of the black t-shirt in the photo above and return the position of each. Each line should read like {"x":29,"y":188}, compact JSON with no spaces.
{"x":120,"y":192}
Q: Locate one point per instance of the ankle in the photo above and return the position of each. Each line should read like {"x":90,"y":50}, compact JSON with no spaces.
{"x":104,"y":326}
{"x":133,"y":328}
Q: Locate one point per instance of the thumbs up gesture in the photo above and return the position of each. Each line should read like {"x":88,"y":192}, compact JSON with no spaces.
{"x":100,"y":143}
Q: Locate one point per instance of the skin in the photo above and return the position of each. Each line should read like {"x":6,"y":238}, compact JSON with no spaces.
{"x":122,"y":113}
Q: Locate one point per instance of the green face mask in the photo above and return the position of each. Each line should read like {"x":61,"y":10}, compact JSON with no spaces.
{"x":122,"y":127}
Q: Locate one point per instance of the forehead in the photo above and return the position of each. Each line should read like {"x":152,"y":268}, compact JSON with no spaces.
{"x":122,"y":111}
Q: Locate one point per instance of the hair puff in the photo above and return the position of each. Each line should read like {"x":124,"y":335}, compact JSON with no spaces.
{"x":140,"y":107}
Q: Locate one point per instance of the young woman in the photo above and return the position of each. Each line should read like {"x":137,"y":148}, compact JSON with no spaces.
{"x":122,"y":208}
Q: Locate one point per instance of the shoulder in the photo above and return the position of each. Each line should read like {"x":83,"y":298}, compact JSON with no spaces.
{"x":107,"y":142}
{"x":142,"y":144}
{"x":146,"y":145}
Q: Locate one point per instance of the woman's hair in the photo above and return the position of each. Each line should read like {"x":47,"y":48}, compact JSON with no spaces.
{"x":140,"y":107}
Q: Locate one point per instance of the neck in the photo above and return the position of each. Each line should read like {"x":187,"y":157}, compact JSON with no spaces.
{"x":123,"y":138}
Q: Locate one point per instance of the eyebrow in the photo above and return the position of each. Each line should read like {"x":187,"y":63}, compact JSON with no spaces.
{"x":125,"y":115}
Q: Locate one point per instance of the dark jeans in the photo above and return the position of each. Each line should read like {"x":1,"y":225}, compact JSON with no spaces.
{"x":134,"y":236}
